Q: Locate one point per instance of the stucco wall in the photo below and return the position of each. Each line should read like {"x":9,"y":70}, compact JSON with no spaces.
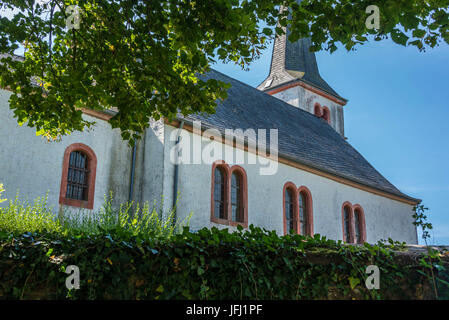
{"x":305,"y":100}
{"x":33,"y":166}
{"x":385,"y":218}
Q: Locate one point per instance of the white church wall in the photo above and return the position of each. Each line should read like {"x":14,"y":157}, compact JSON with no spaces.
{"x":306,"y":100}
{"x":385,"y":218}
{"x":149,"y":175}
{"x":33,"y":166}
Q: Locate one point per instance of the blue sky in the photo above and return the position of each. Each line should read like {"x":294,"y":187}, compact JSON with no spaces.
{"x":397,"y":115}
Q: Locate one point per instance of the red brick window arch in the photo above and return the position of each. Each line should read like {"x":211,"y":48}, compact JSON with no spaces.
{"x":229,"y":199}
{"x":298,"y":210}
{"x":353,"y":220}
{"x":78,"y":177}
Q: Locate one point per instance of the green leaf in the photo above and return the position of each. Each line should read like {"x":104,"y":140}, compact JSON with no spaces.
{"x":353,"y":282}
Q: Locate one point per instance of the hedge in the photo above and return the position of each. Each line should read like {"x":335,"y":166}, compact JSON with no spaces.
{"x":211,"y":264}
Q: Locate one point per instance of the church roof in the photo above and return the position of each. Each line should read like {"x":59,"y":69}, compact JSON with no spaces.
{"x":303,"y":138}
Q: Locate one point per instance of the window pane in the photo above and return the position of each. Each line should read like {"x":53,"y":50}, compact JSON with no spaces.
{"x":358,"y":234}
{"x":236,"y":198}
{"x":219,"y":194}
{"x":303,"y":213}
{"x":346,"y":224}
{"x":289,"y":214}
{"x":77,"y":177}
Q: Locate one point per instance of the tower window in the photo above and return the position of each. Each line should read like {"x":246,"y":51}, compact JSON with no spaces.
{"x":318,"y":110}
{"x":322,"y":112}
{"x":326,"y":114}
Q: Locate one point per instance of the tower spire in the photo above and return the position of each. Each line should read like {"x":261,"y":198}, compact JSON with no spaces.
{"x":294,"y":78}
{"x":292,"y":61}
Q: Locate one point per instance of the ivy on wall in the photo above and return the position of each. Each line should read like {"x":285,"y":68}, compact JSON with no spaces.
{"x":210,"y":264}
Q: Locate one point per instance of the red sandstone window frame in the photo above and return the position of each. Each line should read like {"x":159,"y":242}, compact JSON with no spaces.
{"x":227,"y":196}
{"x":326,"y":114}
{"x":92,"y":167}
{"x":318,"y":111}
{"x":322,"y":112}
{"x":362,"y":225}
{"x":292,"y":187}
{"x":309,"y":208}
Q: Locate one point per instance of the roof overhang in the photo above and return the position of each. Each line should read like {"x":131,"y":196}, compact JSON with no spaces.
{"x":306,"y":85}
{"x":292,"y":162}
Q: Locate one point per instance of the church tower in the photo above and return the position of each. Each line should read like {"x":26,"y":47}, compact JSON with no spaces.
{"x":294,"y":78}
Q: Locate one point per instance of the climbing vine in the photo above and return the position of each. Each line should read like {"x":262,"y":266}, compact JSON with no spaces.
{"x":209,"y":264}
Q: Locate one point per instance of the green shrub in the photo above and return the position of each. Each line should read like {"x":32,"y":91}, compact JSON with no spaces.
{"x":140,"y":253}
{"x":208,"y":264}
{"x":22,"y":216}
{"x":1,"y":191}
{"x":129,"y":220}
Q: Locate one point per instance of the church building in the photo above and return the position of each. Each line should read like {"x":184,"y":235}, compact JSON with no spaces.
{"x":319,"y":184}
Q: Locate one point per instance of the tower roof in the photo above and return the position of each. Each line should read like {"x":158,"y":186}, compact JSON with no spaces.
{"x":293,"y":61}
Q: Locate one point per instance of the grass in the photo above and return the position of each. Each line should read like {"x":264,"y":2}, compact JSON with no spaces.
{"x":129,"y":220}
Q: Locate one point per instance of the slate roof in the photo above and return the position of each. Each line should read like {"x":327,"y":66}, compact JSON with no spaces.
{"x":303,"y":138}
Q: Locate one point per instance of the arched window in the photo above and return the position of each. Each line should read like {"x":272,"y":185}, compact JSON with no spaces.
{"x":78,"y":177}
{"x":326,"y":114}
{"x":322,"y":112}
{"x":290,"y":215}
{"x":237,"y":198}
{"x":359,"y":224}
{"x":298,"y":210}
{"x":219,"y":193}
{"x":229,"y":195}
{"x":347,"y":232}
{"x":354,"y":229}
{"x":303,"y":213}
{"x":318,"y":110}
{"x":77,"y":185}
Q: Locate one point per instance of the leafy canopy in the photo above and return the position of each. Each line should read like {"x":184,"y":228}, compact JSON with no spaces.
{"x":144,"y":59}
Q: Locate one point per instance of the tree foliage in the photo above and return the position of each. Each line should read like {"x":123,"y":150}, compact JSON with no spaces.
{"x":144,"y":59}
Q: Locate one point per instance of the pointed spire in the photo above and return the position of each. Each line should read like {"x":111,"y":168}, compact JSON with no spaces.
{"x":294,"y":61}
